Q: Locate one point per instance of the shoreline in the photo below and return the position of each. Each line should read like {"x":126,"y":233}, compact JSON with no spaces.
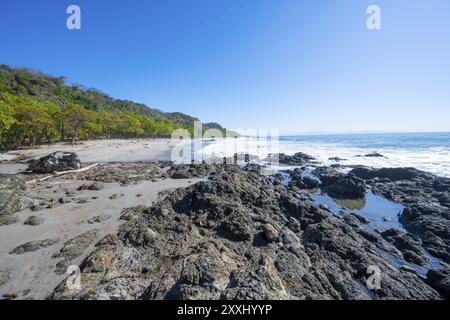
{"x":108,"y":150}
{"x":258,"y":214}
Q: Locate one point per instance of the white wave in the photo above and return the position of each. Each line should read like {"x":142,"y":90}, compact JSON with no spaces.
{"x":434,"y":159}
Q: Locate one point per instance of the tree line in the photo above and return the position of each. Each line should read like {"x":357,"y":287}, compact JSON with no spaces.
{"x":25,"y":120}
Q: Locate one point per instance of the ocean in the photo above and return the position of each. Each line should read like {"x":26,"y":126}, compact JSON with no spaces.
{"x":425,"y":151}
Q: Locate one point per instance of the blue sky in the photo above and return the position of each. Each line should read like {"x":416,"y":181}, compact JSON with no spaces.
{"x":298,"y":66}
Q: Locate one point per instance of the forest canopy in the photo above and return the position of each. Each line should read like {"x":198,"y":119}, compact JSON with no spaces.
{"x":37,"y":108}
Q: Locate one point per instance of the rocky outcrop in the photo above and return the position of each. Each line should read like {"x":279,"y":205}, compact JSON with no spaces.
{"x":303,"y":182}
{"x":339,"y":185}
{"x":189,"y":171}
{"x":72,"y":249}
{"x":239,"y":236}
{"x":58,"y":161}
{"x":123,"y":173}
{"x":347,"y":187}
{"x":298,"y":159}
{"x":432,"y":225}
{"x":393,"y":174}
{"x":13,"y":198}
{"x":440,"y":280}
{"x":408,"y":244}
{"x":425,"y":197}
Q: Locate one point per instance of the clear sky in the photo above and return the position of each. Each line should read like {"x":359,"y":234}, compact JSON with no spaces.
{"x":299,"y":66}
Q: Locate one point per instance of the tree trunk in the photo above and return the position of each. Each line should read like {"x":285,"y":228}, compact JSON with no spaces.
{"x":63,"y":133}
{"x":74,"y":136}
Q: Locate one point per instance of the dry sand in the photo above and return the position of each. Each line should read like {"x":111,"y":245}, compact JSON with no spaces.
{"x":104,"y":150}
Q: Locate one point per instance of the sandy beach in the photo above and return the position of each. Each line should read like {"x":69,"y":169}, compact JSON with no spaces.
{"x":140,"y":228}
{"x":103,"y":150}
{"x":31,"y":275}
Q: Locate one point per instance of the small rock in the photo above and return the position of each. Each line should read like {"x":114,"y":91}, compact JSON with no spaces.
{"x":65,"y":200}
{"x":99,"y":219}
{"x":8,"y":219}
{"x":270,"y":233}
{"x":58,"y":161}
{"x":408,"y":269}
{"x":4,"y":277}
{"x":33,"y":246}
{"x":374,"y":155}
{"x":38,"y":207}
{"x":91,"y":187}
{"x":295,"y":225}
{"x":53,"y":204}
{"x":33,"y":221}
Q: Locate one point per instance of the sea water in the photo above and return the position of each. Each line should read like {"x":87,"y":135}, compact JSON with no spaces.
{"x":424,"y":151}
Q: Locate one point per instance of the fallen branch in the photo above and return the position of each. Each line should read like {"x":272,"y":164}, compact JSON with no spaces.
{"x":61,"y":173}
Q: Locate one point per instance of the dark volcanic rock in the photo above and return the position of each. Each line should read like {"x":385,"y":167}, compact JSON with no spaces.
{"x":73,"y":249}
{"x":92,"y":187}
{"x":297,"y":159}
{"x":123,"y":173}
{"x":327,"y":175}
{"x":440,"y":280}
{"x":189,"y":171}
{"x":99,"y":219}
{"x":13,"y":198}
{"x":58,"y":161}
{"x":303,"y":182}
{"x":394,"y":174}
{"x":409,"y":245}
{"x":337,"y":159}
{"x":339,"y":185}
{"x":347,"y":187}
{"x":34,"y":221}
{"x":33,"y":246}
{"x":129,"y":213}
{"x":238,"y":236}
{"x":425,"y":197}
{"x":374,"y":155}
{"x":432,"y":225}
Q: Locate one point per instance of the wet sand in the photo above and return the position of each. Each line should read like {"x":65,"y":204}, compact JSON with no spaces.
{"x":32,"y":274}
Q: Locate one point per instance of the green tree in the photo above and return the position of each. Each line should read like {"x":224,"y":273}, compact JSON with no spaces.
{"x":6,"y":115}
{"x":129,"y":125}
{"x":75,"y":117}
{"x":31,"y":119}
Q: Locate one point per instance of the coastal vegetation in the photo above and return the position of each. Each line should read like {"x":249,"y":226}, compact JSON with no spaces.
{"x":36,"y":108}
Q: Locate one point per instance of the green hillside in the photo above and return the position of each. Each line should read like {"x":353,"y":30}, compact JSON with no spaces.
{"x":37,"y":108}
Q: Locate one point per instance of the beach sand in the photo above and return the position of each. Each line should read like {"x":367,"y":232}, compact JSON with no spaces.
{"x":103,"y":150}
{"x":32,"y":275}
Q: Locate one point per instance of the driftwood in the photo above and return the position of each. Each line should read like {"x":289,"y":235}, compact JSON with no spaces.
{"x":58,"y":174}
